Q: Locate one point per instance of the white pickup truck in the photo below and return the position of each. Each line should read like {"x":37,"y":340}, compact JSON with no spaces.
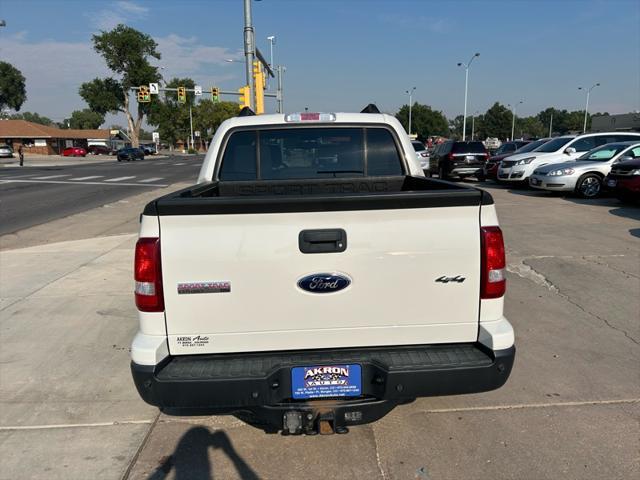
{"x":314,"y":279}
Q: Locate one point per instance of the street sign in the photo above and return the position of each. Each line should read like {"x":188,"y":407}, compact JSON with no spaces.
{"x":153,"y":89}
{"x":197,"y":133}
{"x":197,"y":89}
{"x":155,"y":136}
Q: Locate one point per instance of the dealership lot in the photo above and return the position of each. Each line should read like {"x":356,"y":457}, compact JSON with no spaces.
{"x":570,"y":408}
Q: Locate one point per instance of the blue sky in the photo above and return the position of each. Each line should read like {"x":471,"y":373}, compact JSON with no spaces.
{"x":341,"y":55}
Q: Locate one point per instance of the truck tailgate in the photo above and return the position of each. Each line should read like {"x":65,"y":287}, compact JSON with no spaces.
{"x":239,"y":277}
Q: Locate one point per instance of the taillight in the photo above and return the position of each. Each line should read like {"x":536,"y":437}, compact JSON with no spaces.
{"x":148,"y":275}
{"x":450,"y":156}
{"x":493,"y":283}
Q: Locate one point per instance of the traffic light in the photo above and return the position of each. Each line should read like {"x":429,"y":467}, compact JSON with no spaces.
{"x":245,"y":97}
{"x":144,"y":96}
{"x":259,"y":82}
{"x":182,"y":94}
{"x":215,"y":94}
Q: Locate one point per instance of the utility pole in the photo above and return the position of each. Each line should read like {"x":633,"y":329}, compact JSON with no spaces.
{"x":551,"y":124}
{"x":466,"y":88}
{"x":249,"y":49}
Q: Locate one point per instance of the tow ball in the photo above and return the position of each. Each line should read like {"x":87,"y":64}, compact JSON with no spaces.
{"x":311,"y":423}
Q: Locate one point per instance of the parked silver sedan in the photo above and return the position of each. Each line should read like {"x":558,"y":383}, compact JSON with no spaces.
{"x":6,"y":151}
{"x":585,"y":175}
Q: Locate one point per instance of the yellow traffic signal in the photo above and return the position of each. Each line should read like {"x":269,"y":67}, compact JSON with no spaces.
{"x":259,"y":93}
{"x":245,"y":97}
{"x":144,"y":96}
{"x":215,"y":94}
{"x":182,"y":94}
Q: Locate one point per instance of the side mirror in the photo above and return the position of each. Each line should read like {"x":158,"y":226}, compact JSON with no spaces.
{"x":624,"y":159}
{"x":569,"y":150}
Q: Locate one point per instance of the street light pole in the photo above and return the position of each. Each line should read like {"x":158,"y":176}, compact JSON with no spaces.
{"x":466,"y":86}
{"x":586,"y":107}
{"x":410,"y":92}
{"x":551,"y":124}
{"x":249,"y":49}
{"x":191,"y":124}
{"x":272,"y":41}
{"x":513,"y":118}
{"x":279,"y":94}
{"x":473,"y":124}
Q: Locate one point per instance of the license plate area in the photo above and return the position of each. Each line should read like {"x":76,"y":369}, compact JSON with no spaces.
{"x":611,"y":182}
{"x":326,"y":381}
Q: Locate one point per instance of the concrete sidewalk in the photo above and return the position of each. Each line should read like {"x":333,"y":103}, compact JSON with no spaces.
{"x":67,"y":319}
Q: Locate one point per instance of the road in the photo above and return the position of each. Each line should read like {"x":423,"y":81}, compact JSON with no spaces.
{"x":35,"y":195}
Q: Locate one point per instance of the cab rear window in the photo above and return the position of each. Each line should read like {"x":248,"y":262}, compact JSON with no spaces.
{"x":308,"y":153}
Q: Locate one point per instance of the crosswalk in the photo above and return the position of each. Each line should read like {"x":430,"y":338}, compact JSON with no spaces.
{"x":130,"y":180}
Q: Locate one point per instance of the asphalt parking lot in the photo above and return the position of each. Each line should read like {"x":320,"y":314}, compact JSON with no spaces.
{"x":570,"y":410}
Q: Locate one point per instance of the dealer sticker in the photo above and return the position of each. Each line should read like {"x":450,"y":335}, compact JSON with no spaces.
{"x":326,"y":381}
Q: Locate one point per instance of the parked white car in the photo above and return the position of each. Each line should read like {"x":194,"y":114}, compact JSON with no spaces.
{"x":518,"y":168}
{"x":584,"y":176}
{"x":422,"y":154}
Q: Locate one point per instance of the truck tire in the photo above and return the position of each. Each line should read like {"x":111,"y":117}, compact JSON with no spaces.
{"x":442,"y":175}
{"x":589,"y":185}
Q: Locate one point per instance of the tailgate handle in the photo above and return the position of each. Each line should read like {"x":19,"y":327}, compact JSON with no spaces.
{"x":323,"y":241}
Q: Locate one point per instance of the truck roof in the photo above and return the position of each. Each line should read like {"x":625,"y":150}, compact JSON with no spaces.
{"x":279,"y":118}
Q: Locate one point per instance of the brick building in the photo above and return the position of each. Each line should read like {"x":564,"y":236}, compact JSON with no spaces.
{"x":44,"y":140}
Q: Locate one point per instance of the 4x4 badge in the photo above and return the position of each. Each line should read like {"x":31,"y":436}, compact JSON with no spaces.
{"x":457,"y":278}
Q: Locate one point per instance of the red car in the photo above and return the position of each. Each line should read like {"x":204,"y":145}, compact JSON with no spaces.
{"x":624,"y":180}
{"x":74,"y":152}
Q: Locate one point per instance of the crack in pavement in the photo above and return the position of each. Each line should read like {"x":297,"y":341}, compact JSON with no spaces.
{"x":526,"y":271}
{"x":593,"y":259}
{"x":383,"y":475}
{"x":529,"y":273}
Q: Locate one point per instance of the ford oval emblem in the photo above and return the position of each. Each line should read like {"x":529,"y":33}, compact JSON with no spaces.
{"x":324,"y":282}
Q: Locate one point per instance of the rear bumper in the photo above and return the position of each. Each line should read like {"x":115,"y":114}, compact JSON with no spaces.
{"x":258,"y":385}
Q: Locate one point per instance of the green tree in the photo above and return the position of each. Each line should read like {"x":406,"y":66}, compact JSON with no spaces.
{"x":208,"y":115}
{"x":563,"y":120}
{"x":13,"y":92}
{"x":424,"y":120}
{"x":32,"y":117}
{"x":529,"y":127}
{"x":496,"y":122}
{"x":85,"y":119}
{"x":171,"y":117}
{"x":126,"y":52}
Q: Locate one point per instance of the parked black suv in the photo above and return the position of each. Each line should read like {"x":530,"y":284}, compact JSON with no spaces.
{"x":129,"y":154}
{"x":458,"y":159}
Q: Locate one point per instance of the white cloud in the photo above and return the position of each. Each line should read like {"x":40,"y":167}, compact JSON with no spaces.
{"x":54,"y":70}
{"x":132,"y":7}
{"x":116,"y":13}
